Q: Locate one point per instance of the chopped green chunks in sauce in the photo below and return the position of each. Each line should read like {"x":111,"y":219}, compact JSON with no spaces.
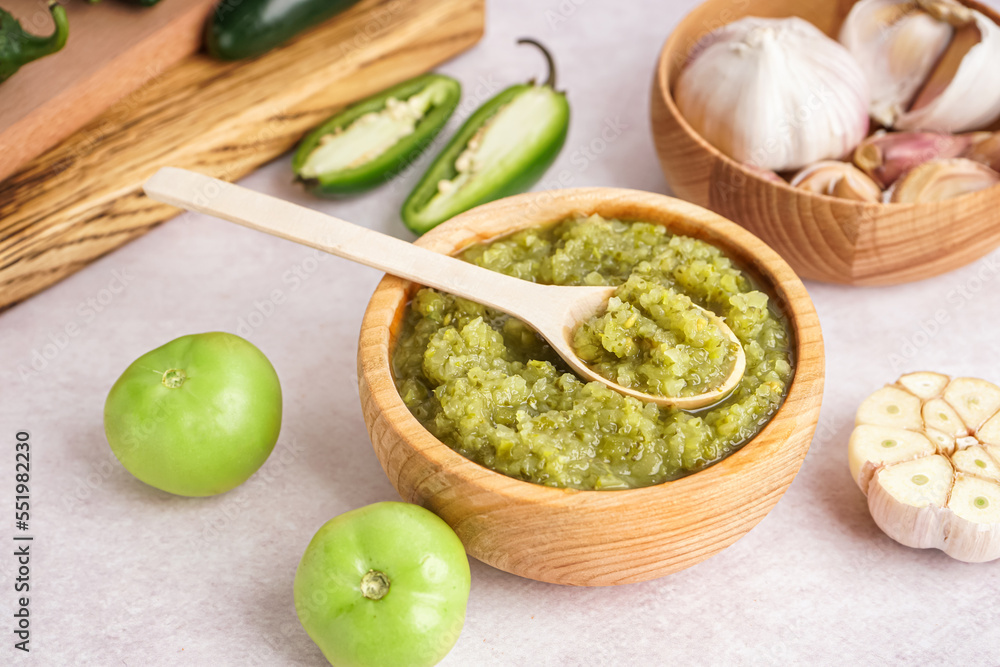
{"x":654,"y":339}
{"x":490,"y":388}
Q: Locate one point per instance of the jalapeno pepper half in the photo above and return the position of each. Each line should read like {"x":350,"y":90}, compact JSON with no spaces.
{"x":18,"y":47}
{"x":373,"y":140}
{"x":246,"y":28}
{"x":502,"y":149}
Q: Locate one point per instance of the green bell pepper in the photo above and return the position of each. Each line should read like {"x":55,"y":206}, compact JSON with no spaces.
{"x":502,"y":149}
{"x":18,"y":47}
{"x":373,"y":140}
{"x":382,"y":585}
{"x":246,"y":28}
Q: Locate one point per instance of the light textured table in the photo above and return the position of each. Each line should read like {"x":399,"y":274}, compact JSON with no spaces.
{"x":123,"y":574}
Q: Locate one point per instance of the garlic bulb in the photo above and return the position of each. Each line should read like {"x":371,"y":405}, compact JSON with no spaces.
{"x":774,"y":93}
{"x":885,"y":156}
{"x":931,"y":63}
{"x":838,"y":179}
{"x":926,"y":452}
{"x":938,"y":180}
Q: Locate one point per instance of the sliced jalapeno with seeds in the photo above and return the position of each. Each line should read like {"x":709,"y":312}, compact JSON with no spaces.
{"x":502,"y":149}
{"x":368,"y":143}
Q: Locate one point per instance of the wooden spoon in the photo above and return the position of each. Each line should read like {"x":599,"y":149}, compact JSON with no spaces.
{"x":553,"y":311}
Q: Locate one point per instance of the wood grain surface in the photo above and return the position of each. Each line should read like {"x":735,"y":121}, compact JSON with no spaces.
{"x":83,"y":198}
{"x":114,"y":48}
{"x":822,"y":238}
{"x":592,"y":538}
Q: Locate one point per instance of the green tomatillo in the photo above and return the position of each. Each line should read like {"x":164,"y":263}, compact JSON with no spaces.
{"x":383,"y":586}
{"x":197,"y":416}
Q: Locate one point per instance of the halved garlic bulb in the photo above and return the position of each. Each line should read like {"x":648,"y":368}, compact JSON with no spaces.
{"x":838,"y":179}
{"x":774,"y":93}
{"x":932,"y":64}
{"x":938,"y":180}
{"x":927,"y":487}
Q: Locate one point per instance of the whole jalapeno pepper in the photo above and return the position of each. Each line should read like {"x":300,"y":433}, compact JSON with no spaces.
{"x":18,"y":47}
{"x":373,"y":140}
{"x":502,"y":149}
{"x":246,"y":28}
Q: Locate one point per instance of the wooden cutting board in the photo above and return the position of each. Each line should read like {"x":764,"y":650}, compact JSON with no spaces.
{"x":82,"y":198}
{"x":114,"y":47}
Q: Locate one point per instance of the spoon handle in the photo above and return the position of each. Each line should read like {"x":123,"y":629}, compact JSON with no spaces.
{"x":197,"y":192}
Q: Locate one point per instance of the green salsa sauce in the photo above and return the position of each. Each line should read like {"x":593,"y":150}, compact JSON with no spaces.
{"x":493,"y":390}
{"x":655,"y":339}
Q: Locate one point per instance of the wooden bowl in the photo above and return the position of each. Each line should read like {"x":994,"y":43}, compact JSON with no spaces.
{"x":592,"y":538}
{"x":823,"y":238}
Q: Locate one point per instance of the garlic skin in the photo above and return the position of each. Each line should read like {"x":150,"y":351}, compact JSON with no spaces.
{"x":838,"y":179}
{"x":777,"y":94}
{"x":899,"y":44}
{"x":985,"y":149}
{"x":926,"y":489}
{"x":931,"y":63}
{"x":938,"y":180}
{"x":885,"y":156}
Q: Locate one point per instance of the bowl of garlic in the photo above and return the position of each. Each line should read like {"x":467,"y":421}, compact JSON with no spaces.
{"x":860,"y":140}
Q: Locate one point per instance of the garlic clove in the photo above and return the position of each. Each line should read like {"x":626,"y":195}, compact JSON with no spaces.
{"x":837,"y":179}
{"x":885,"y":156}
{"x":937,"y":414}
{"x":924,"y":384}
{"x":890,"y":406}
{"x":975,"y":460}
{"x":931,"y":63}
{"x":774,"y":93}
{"x":899,"y":44}
{"x":946,"y":68}
{"x":873,"y":446}
{"x":907,"y":500}
{"x":945,"y":443}
{"x":975,"y":520}
{"x":989,"y":432}
{"x":766,"y":174}
{"x":938,"y":180}
{"x":974,"y":400}
{"x":962,"y":92}
{"x":985,"y":149}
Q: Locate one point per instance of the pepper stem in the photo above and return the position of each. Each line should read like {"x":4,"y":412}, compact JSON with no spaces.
{"x":34,"y":47}
{"x":374,"y":585}
{"x":551,"y":80}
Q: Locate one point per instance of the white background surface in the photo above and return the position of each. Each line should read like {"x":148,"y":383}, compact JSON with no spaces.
{"x":126,"y":575}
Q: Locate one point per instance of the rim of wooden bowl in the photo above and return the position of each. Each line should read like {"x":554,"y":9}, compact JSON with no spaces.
{"x":672,"y":49}
{"x":767,"y":463}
